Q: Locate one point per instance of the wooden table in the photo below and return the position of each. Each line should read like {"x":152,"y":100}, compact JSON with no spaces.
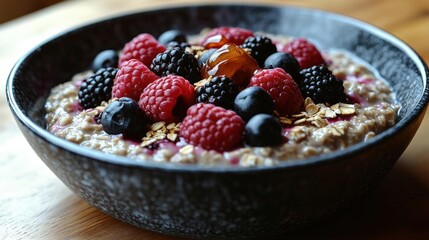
{"x":34,"y":204}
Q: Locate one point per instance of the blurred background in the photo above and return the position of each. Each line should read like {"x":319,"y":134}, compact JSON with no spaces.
{"x":10,"y":9}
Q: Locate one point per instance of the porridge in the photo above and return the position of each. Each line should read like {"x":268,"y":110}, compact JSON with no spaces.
{"x":226,"y":97}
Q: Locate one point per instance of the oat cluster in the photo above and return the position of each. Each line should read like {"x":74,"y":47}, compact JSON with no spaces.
{"x":159,"y":131}
{"x":317,"y":114}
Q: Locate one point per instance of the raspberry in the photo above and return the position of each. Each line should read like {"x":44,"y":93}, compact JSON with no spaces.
{"x":260,"y":48}
{"x":178,"y":62}
{"x":220,"y":91}
{"x":212,"y":127}
{"x":97,"y":88}
{"x":143,"y":47}
{"x":232,"y":34}
{"x":167,"y":98}
{"x":131,"y":79}
{"x":319,"y":84}
{"x":305,"y":52}
{"x":281,"y":87}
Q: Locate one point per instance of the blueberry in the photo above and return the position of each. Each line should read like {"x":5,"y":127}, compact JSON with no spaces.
{"x":263,"y":130}
{"x":205,"y":56}
{"x":172,"y":35}
{"x":124,"y":116}
{"x":252,"y":101}
{"x":285,"y":61}
{"x":105,"y":59}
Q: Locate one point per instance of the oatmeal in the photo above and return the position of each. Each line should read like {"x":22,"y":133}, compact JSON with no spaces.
{"x":192,"y":125}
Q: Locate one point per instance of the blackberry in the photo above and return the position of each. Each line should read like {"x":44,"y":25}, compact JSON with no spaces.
{"x":172,"y":35}
{"x":176,"y":61}
{"x":174,"y":44}
{"x":97,"y":88}
{"x":285,"y":61}
{"x":220,"y":91}
{"x":260,"y":48}
{"x":319,"y":84}
{"x":124,"y":116}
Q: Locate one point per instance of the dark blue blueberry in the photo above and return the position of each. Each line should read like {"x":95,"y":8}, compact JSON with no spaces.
{"x":252,"y":101}
{"x":172,"y":35}
{"x":285,"y":61}
{"x":105,"y":59}
{"x":205,"y":56}
{"x":263,"y":130}
{"x":124,"y":116}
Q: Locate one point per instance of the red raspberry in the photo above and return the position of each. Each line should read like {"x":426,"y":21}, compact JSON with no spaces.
{"x":232,"y":34}
{"x":281,"y":87}
{"x":167,"y":99}
{"x":131,"y":79}
{"x":212,"y":127}
{"x":144,"y":48}
{"x":305,"y":52}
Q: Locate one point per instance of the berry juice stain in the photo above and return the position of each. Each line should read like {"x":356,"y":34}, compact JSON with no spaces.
{"x":75,"y":107}
{"x":79,"y":82}
{"x":160,"y":144}
{"x":57,"y":127}
{"x":166,"y":144}
{"x":365,"y":81}
{"x":234,"y":161}
{"x":340,"y":118}
{"x":131,"y":141}
{"x":353,"y":98}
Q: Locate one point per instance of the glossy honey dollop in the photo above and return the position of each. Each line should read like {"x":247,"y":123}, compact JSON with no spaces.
{"x":232,"y":61}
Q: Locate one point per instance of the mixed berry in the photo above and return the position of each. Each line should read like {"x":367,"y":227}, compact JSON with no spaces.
{"x":131,"y":79}
{"x":176,"y":61}
{"x":227,"y":91}
{"x":97,"y":88}
{"x":105,"y":59}
{"x":260,"y":48}
{"x":252,"y":101}
{"x":219,"y":90}
{"x":124,"y":116}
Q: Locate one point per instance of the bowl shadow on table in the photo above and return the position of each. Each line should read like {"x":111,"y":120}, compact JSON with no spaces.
{"x":395,"y":209}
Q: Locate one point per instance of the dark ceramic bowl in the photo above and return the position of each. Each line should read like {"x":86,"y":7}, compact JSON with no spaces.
{"x":195,"y":201}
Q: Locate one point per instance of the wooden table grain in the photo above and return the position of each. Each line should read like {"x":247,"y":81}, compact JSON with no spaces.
{"x":34,"y":204}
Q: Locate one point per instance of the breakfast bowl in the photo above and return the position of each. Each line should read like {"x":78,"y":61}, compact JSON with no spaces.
{"x":219,"y":201}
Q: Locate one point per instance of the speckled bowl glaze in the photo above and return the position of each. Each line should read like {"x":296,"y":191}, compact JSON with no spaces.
{"x":218,"y":202}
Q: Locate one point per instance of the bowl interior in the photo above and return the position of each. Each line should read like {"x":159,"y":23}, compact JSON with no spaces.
{"x":58,"y":59}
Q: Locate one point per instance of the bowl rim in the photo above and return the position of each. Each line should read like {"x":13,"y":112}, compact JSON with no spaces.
{"x":290,"y":164}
